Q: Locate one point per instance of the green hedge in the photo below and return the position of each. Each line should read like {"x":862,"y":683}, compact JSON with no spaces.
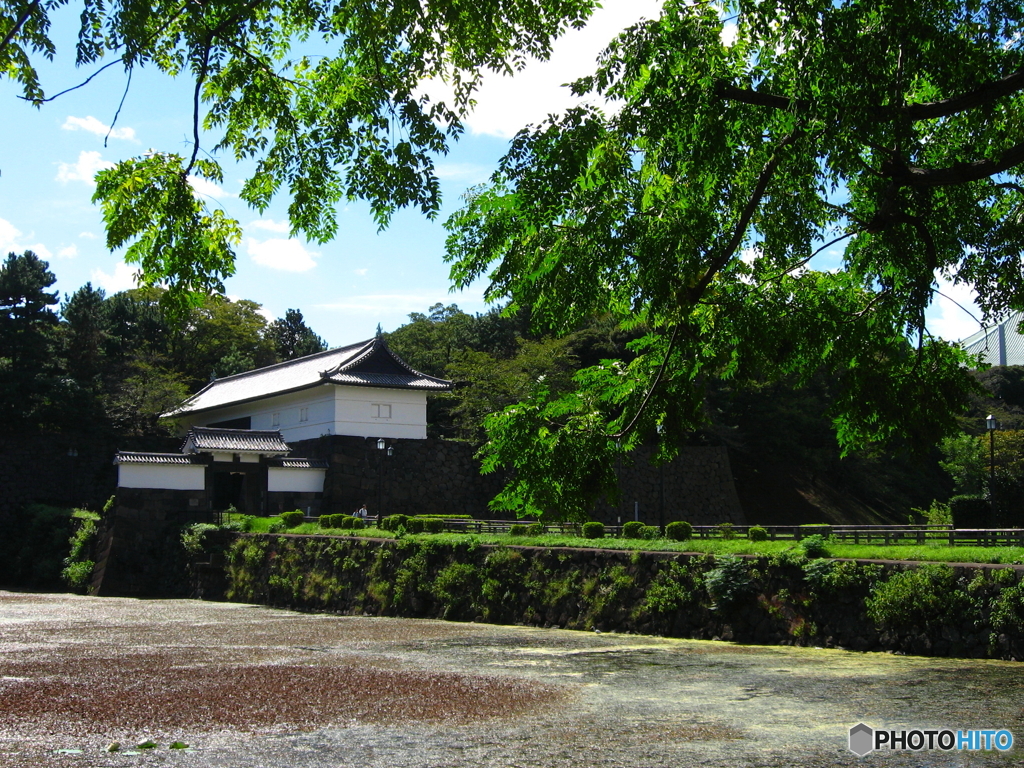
{"x":680,"y":530}
{"x":632,"y":530}
{"x":393,"y":522}
{"x":757,"y":533}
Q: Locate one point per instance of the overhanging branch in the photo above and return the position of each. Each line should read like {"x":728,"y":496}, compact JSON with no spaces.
{"x":961,"y":173}
{"x":980,"y":96}
{"x":18,"y":24}
{"x":729,"y":250}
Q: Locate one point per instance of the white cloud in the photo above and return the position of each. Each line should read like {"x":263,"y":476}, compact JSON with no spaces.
{"x":949,"y":315}
{"x":9,"y":236}
{"x":402,"y":304}
{"x":506,"y":104}
{"x":382,"y":304}
{"x":280,"y":253}
{"x":469,"y":173}
{"x":281,"y":227}
{"x":92,"y":125}
{"x":13,"y":241}
{"x":87,"y":235}
{"x":361,"y":272}
{"x":122,"y":280}
{"x":87,"y":166}
{"x":207,"y":187}
{"x":68,"y":253}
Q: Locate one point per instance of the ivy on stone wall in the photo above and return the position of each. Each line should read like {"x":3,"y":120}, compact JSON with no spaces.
{"x":783,"y":599}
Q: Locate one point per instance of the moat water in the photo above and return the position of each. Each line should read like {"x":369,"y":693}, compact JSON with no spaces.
{"x":246,"y":686}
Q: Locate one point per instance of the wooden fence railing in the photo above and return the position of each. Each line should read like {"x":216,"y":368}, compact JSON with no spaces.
{"x":854,"y":534}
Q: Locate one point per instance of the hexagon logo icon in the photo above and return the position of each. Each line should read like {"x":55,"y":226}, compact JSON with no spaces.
{"x":861,"y":739}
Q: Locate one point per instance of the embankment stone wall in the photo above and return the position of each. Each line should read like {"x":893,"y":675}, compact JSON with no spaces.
{"x":755,"y":600}
{"x":66,"y":469}
{"x":443,"y":477}
{"x":421,"y":476}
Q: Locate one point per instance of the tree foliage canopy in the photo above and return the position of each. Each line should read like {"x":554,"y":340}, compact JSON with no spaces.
{"x":692,"y":205}
{"x":730,"y":144}
{"x":321,"y":128}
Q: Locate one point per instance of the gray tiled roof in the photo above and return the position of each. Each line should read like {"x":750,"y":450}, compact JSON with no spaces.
{"x":296,"y":463}
{"x":205,"y":439}
{"x":137,"y":457}
{"x":366,"y":364}
{"x":392,"y":381}
{"x":1000,"y":344}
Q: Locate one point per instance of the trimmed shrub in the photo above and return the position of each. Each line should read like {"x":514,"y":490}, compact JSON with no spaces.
{"x":535,"y":529}
{"x":650,"y":532}
{"x":357,"y":523}
{"x":680,"y":530}
{"x":518,"y":530}
{"x":326,"y":521}
{"x":415,"y":524}
{"x":815,"y":546}
{"x":291,"y":519}
{"x":633,"y":530}
{"x":727,"y":531}
{"x":593,"y":530}
{"x":392,"y":522}
{"x":433,"y":525}
{"x":757,"y":533}
{"x":346,"y":522}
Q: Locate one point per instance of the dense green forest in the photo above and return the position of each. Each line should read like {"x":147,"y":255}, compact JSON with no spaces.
{"x":117,"y":362}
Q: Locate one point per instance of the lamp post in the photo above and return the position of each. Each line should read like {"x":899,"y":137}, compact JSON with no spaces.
{"x":618,"y":480}
{"x":991,"y":425}
{"x":385,"y":450}
{"x":661,"y":483}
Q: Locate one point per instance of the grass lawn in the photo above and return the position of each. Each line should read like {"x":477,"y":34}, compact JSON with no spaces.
{"x":929,"y":552}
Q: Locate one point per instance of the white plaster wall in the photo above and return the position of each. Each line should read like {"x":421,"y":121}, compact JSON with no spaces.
{"x":175,"y":477}
{"x":243,"y":458}
{"x":301,"y":480}
{"x":318,"y":400}
{"x":355,"y":412}
{"x":333,"y":410}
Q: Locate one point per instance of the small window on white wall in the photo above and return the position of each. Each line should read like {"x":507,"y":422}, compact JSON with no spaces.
{"x":381,"y":410}
{"x":275,"y":420}
{"x":303,"y":414}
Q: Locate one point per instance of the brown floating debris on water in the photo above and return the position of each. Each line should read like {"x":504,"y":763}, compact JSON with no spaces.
{"x":149,"y":691}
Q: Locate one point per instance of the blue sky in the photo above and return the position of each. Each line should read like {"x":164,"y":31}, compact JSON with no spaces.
{"x":344,"y":288}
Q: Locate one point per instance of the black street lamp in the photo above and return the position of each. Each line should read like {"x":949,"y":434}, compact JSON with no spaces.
{"x":385,"y":450}
{"x":661,"y":483}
